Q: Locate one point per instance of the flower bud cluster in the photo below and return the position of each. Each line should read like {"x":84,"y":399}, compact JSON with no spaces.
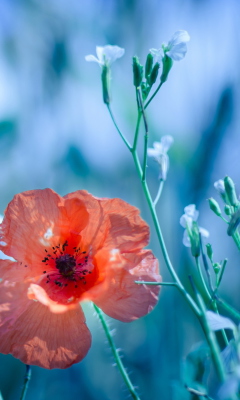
{"x":227,"y":191}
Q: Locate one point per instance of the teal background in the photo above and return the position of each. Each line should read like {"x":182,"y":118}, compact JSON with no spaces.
{"x":56,"y":132}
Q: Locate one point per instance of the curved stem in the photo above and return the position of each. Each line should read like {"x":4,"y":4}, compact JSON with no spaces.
{"x":116,"y":126}
{"x":26,"y":382}
{"x":146,"y":134}
{"x":209,"y":297}
{"x":228,"y":308}
{"x":147,"y":194}
{"x":164,"y":250}
{"x":118,"y":360}
{"x":137,"y":131}
{"x":211,"y":338}
{"x":159,"y":192}
{"x":154,"y":94}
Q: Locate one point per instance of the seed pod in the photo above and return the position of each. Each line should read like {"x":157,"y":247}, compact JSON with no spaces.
{"x":215,"y":206}
{"x":230,"y":190}
{"x":148,"y":66}
{"x":209,"y":251}
{"x":137,"y":72}
{"x":154,"y":74}
{"x":167,"y":65}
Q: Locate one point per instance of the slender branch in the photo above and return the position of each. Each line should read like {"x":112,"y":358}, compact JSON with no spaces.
{"x":164,"y":250}
{"x":147,"y":194}
{"x":137,"y":131}
{"x":228,"y":308}
{"x":206,"y":291}
{"x":197,"y":393}
{"x":159,"y":192}
{"x":118,"y":360}
{"x":211,"y":297}
{"x":157,"y":283}
{"x":116,"y":126}
{"x":26,"y":382}
{"x":154,"y":94}
{"x":211,"y":338}
{"x":145,"y":136}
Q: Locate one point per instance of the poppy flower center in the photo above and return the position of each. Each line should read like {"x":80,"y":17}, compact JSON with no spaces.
{"x":66,"y":264}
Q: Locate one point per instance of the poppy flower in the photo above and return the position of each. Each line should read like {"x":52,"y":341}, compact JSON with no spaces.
{"x":67,"y":250}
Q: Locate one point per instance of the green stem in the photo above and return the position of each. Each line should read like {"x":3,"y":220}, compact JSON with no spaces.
{"x":26,"y":382}
{"x":154,"y":94}
{"x":145,"y":136}
{"x":159,"y":192}
{"x":228,"y":308}
{"x":157,"y":283}
{"x":224,"y":219}
{"x":211,"y":298}
{"x":170,"y":267}
{"x":116,"y":126}
{"x":236,"y":239}
{"x":116,"y":354}
{"x":211,"y":338}
{"x":137,"y":131}
{"x":206,"y":291}
{"x":164,"y":250}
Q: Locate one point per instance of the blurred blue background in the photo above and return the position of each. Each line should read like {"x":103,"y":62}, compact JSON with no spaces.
{"x":56,"y":132}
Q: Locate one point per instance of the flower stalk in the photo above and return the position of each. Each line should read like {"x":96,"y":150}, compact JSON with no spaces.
{"x":26,"y":382}
{"x":115,"y":352}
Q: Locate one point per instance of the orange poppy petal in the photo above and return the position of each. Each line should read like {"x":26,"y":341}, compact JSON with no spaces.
{"x":120,"y":297}
{"x":112,"y":222}
{"x":37,"y":336}
{"x":33,"y":219}
{"x":36,"y":292}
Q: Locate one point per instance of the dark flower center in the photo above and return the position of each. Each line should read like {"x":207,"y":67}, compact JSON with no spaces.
{"x":66,"y":264}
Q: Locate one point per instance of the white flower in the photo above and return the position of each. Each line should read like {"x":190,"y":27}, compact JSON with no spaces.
{"x":106,"y":55}
{"x":219,"y":186}
{"x":159,"y":153}
{"x":186,"y":220}
{"x":176,"y":48}
{"x":158,"y":53}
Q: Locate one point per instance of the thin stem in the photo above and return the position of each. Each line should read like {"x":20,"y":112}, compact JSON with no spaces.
{"x":224,"y":219}
{"x":236,"y":239}
{"x":154,"y":94}
{"x":116,"y":126}
{"x":198,"y":393}
{"x":228,"y":308}
{"x":211,"y":298}
{"x":116,"y":354}
{"x":211,"y":338}
{"x":26,"y":382}
{"x":219,"y":278}
{"x":170,"y":267}
{"x":159,"y":192}
{"x":137,"y":131}
{"x":206,"y":291}
{"x":164,"y":250}
{"x":146,"y":134}
{"x":157,"y":283}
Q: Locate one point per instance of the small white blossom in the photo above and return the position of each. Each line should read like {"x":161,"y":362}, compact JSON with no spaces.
{"x":219,"y":186}
{"x":159,"y":153}
{"x":186,"y":220}
{"x":175,"y":49}
{"x":106,"y":54}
